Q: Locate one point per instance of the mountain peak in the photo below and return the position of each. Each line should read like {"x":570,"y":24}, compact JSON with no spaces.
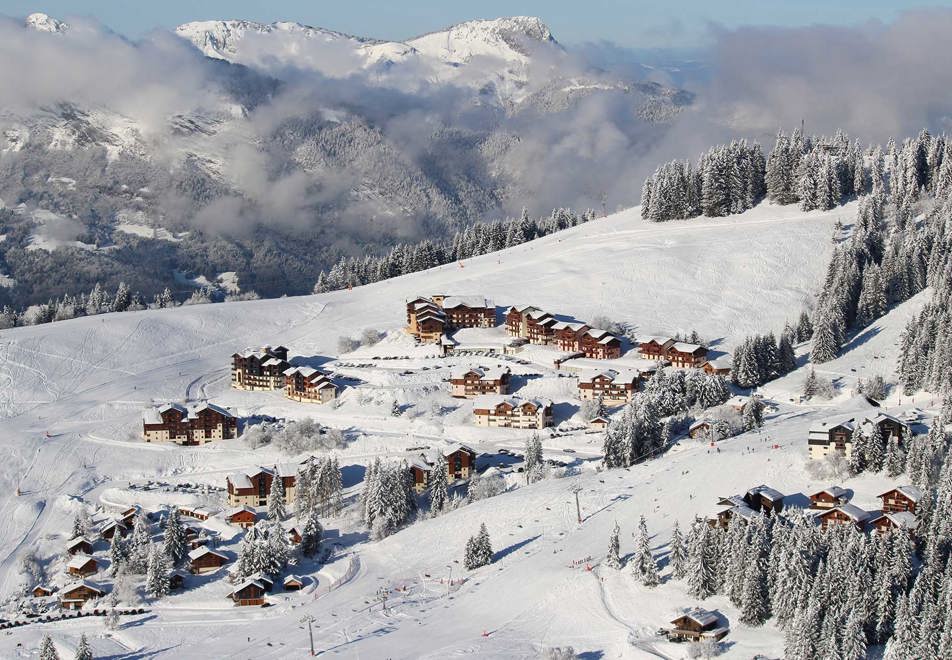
{"x":44,"y":23}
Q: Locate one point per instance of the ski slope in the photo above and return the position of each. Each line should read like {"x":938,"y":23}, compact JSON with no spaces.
{"x":72,"y":393}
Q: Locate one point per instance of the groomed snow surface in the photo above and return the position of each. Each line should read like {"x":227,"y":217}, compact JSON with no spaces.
{"x":72,"y":395}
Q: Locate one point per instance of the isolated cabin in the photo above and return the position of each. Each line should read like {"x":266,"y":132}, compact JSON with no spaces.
{"x":293,"y":583}
{"x":174,"y":422}
{"x":308,"y":385}
{"x":512,"y":412}
{"x":112,"y":527}
{"x":901,"y":498}
{"x":475,"y":381}
{"x":252,"y":488}
{"x":700,"y":429}
{"x":248,"y":593}
{"x":764,"y":498}
{"x":697,"y":624}
{"x":205,"y":560}
{"x":261,"y":369}
{"x":829,"y":497}
{"x":78,"y":594}
{"x":41,"y":591}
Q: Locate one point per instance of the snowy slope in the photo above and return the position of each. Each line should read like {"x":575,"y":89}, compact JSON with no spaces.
{"x":85,"y":383}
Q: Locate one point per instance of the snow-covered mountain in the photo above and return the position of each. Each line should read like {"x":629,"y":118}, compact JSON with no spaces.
{"x":44,"y":23}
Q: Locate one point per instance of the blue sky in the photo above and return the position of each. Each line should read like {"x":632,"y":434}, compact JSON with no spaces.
{"x":631,"y":23}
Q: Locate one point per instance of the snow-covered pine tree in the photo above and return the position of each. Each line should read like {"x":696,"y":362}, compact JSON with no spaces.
{"x":438,"y":486}
{"x":276,"y":507}
{"x":311,"y":534}
{"x":139,"y":545}
{"x":786,"y":355}
{"x":613,"y":558}
{"x":702,"y":560}
{"x":47,"y":649}
{"x":895,"y":462}
{"x":826,"y":337}
{"x":83,"y":650}
{"x":157,"y":573}
{"x":810,"y":385}
{"x":677,"y":553}
{"x":645,"y":567}
{"x":753,"y":413}
{"x":304,"y":490}
{"x":534,"y":462}
{"x":118,"y":554}
{"x":875,"y":449}
{"x":479,"y":550}
{"x":174,"y":542}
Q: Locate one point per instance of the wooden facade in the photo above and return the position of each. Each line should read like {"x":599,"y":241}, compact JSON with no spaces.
{"x":82,"y":566}
{"x":512,"y":412}
{"x":895,"y":521}
{"x":697,"y":624}
{"x":77,"y":595}
{"x":244,"y":517}
{"x":655,"y":348}
{"x":469,"y":383}
{"x":844,"y":514}
{"x":205,"y":560}
{"x":80,"y":545}
{"x":829,"y":498}
{"x":309,"y":385}
{"x":615,"y":388}
{"x":831,"y":436}
{"x":460,"y":464}
{"x":252,"y":489}
{"x":259,"y":369}
{"x":901,"y":498}
{"x":428,"y":318}
{"x":41,"y":591}
{"x":175,"y":423}
{"x":248,"y":593}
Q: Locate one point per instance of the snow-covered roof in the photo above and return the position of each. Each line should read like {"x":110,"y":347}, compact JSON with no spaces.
{"x":766,"y":492}
{"x":203,"y":550}
{"x":700,"y":617}
{"x":292,"y":578}
{"x":239,"y":509}
{"x":722,"y":362}
{"x":243,"y":479}
{"x":902,"y":519}
{"x":490,"y":401}
{"x":81,"y":583}
{"x":733,"y":500}
{"x":699,"y":423}
{"x":824,"y":427}
{"x":452,"y":449}
{"x":467,"y":301}
{"x":78,"y":561}
{"x":852,"y":511}
{"x":304,"y":371}
{"x":657,"y":340}
{"x":244,"y":584}
{"x":77,"y":541}
{"x":883,"y":417}
{"x":833,"y":491}
{"x":569,"y":325}
{"x":683,"y":347}
{"x":483,"y":373}
{"x":913,"y":493}
{"x":420,"y":462}
{"x":173,"y":406}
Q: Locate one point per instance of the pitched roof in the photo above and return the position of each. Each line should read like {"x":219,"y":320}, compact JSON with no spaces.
{"x":767,"y":492}
{"x":292,"y":578}
{"x":478,"y":302}
{"x":244,"y":584}
{"x":240,"y":509}
{"x":852,"y":511}
{"x":77,"y":541}
{"x":913,"y":493}
{"x":701,"y":617}
{"x":80,"y":583}
{"x":491,"y":401}
{"x":824,"y":426}
{"x":684,"y":347}
{"x":452,"y":449}
{"x":901,"y":519}
{"x":78,"y":561}
{"x":203,"y":550}
{"x":833,"y":491}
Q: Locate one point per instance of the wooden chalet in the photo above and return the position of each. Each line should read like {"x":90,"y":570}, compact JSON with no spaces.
{"x":261,"y":369}
{"x":614,"y":387}
{"x":733,"y":506}
{"x":567,"y":336}
{"x":901,"y":498}
{"x":78,"y":594}
{"x":599,"y":422}
{"x":294,"y":535}
{"x":475,"y":381}
{"x":599,"y":344}
{"x":252,"y":489}
{"x":428,"y":318}
{"x":82,"y":566}
{"x":308,"y":385}
{"x":174,"y":422}
{"x":248,"y":593}
{"x":41,"y":591}
{"x":764,"y":498}
{"x":655,"y":348}
{"x":293,"y":583}
{"x":264,"y":580}
{"x":686,"y":356}
{"x":697,"y":624}
{"x":717,"y":367}
{"x":176,"y":580}
{"x":196,"y":512}
{"x":460,"y":464}
{"x":844,"y":514}
{"x":112,"y":527}
{"x":512,"y":412}
{"x":700,"y":429}
{"x":205,"y":560}
{"x":80,"y":544}
{"x":888,"y":425}
{"x":898,"y":520}
{"x":243,"y":516}
{"x":829,"y":498}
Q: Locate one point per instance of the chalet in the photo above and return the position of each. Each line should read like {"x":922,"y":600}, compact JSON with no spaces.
{"x":888,"y":425}
{"x":904,"y":520}
{"x":293,"y":583}
{"x":76,"y":595}
{"x":733,"y":506}
{"x":205,"y":560}
{"x":112,"y":527}
{"x":82,"y":565}
{"x":717,"y":367}
{"x":599,"y":422}
{"x":252,"y":489}
{"x":655,"y":348}
{"x":263,"y":580}
{"x":429,"y":318}
{"x":901,"y":498}
{"x":259,"y":369}
{"x":176,"y":580}
{"x":512,"y":412}
{"x":700,"y":429}
{"x":684,"y":355}
{"x":243,"y":516}
{"x":294,"y":535}
{"x":844,"y":514}
{"x":568,"y":336}
{"x":248,"y":592}
{"x":80,"y":544}
{"x":517,"y":320}
{"x":600,"y":344}
{"x":834,"y":435}
{"x":128,"y":515}
{"x":308,"y":385}
{"x":174,"y":422}
{"x":41,"y":591}
{"x":697,"y":624}
{"x":614,"y":387}
{"x":829,"y":497}
{"x":460,"y":464}
{"x":764,"y":498}
{"x":196,"y":512}
{"x":473,"y":382}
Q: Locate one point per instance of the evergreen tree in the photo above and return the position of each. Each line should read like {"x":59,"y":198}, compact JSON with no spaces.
{"x":787,"y":357}
{"x":826,"y":337}
{"x":810,"y":385}
{"x":140,"y":543}
{"x":175,"y":543}
{"x":438,"y":486}
{"x":157,"y":574}
{"x":613,"y":559}
{"x":895,"y":462}
{"x":479,"y":550}
{"x":753,"y":413}
{"x":702,"y":555}
{"x":276,"y":508}
{"x":311,"y":534}
{"x":47,"y":650}
{"x":678,"y":553}
{"x":645,"y":566}
{"x":534,"y":462}
{"x":83,"y":650}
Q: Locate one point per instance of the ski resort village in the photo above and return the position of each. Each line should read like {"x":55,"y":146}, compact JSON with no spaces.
{"x":456,"y":423}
